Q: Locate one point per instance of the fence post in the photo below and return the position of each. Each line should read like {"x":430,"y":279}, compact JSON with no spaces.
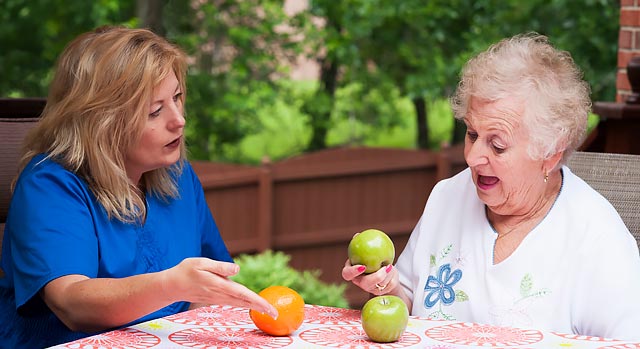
{"x":265,"y":206}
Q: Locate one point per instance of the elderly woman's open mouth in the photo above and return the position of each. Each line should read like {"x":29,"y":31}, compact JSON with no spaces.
{"x":487,"y":182}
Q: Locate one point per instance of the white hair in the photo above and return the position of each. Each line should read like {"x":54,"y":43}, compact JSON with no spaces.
{"x":546,"y":80}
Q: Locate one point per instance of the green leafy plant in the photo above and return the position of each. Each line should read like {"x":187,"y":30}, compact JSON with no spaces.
{"x":257,"y":271}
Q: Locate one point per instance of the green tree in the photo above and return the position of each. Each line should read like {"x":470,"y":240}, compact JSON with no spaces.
{"x":330,"y":40}
{"x":333,"y":44}
{"x":416,"y":45}
{"x":419,"y":47}
{"x":239,"y":49}
{"x":588,"y":29}
{"x":34,"y":32}
{"x":150,"y":16}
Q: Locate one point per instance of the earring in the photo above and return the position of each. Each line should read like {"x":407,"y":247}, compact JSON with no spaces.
{"x":546,"y":176}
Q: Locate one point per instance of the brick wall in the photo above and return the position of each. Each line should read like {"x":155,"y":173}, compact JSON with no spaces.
{"x":628,"y":44}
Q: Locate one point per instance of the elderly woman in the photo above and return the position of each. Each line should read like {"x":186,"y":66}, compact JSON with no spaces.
{"x":516,"y":239}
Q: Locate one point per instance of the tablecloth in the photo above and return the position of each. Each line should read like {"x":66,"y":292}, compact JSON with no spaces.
{"x":325,"y":327}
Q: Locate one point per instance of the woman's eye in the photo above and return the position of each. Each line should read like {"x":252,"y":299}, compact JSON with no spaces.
{"x":177,"y":97}
{"x":498,"y":150}
{"x":156,"y":113}
{"x":472,"y":136}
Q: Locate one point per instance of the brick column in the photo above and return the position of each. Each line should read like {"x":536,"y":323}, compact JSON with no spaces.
{"x":628,"y":44}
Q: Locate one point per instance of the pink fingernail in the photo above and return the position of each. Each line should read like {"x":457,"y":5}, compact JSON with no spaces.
{"x":389,"y":268}
{"x":362,"y":268}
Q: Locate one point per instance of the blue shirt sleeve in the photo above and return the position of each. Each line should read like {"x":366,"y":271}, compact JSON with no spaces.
{"x":50,"y":229}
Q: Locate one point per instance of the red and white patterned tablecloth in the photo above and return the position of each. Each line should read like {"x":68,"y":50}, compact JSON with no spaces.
{"x":325,"y":327}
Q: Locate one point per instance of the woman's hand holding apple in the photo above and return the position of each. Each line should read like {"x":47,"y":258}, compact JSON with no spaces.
{"x":383,"y":281}
{"x":370,"y":263}
{"x":371,"y":248}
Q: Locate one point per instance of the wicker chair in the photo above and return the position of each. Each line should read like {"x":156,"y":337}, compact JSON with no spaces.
{"x":617,"y":178}
{"x":17,"y":117}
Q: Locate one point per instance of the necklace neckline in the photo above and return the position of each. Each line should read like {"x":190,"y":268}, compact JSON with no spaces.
{"x":486,"y":208}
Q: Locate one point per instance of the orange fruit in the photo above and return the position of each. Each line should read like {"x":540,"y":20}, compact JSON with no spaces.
{"x":290,"y":306}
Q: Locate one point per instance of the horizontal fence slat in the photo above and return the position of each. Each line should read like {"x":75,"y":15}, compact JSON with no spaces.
{"x":352,"y":167}
{"x":338,"y":235}
{"x":213,"y":182}
{"x":237,"y":246}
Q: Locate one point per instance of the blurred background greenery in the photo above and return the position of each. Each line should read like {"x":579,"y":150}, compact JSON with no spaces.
{"x":258,"y":271}
{"x":386,"y":68}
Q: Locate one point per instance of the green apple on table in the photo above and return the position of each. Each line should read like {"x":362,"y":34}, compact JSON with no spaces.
{"x":371,"y":248}
{"x":384,"y":318}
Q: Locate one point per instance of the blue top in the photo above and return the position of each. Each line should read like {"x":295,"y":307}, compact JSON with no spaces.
{"x":56,"y":227}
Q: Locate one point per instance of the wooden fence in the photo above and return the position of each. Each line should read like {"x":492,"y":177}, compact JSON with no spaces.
{"x":310,"y":206}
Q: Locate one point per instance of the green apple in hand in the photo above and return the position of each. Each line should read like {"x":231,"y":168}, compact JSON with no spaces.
{"x":371,"y":248}
{"x":384,"y":318}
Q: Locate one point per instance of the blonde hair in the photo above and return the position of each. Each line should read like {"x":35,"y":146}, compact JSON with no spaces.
{"x":97,"y":108}
{"x":546,"y":80}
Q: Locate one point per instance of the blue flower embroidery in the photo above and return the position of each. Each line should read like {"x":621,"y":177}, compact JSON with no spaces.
{"x":441,"y":288}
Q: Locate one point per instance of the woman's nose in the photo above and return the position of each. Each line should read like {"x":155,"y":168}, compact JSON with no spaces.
{"x":475,"y":154}
{"x":177,"y":119}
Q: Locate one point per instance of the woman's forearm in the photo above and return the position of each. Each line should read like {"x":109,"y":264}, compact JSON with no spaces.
{"x":91,"y":305}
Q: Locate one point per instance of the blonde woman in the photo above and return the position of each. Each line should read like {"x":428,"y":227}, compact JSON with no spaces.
{"x":516,"y":239}
{"x":108,"y":223}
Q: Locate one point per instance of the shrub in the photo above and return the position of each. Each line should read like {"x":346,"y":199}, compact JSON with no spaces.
{"x":257,"y":271}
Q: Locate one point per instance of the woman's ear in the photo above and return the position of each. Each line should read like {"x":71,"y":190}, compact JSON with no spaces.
{"x":551,"y":162}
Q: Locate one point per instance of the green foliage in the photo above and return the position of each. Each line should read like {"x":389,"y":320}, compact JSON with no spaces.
{"x":240,"y":107}
{"x":238,"y":54}
{"x":419,"y":46}
{"x":258,"y":271}
{"x":216,"y":121}
{"x":396,"y":124}
{"x":284,"y":128}
{"x":34,"y":32}
{"x":361,"y":117}
{"x":413,"y":43}
{"x":588,"y":29}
